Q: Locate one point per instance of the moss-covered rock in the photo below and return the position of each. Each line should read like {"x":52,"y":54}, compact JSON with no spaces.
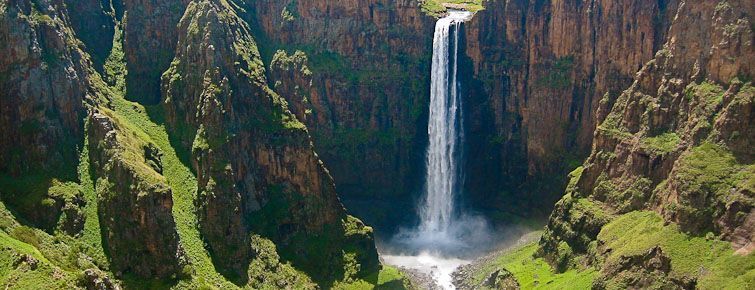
{"x":255,"y":165}
{"x":573,"y":225}
{"x":646,"y":270}
{"x":706,"y":183}
{"x":640,"y":251}
{"x":134,"y":201}
{"x":266,"y":271}
{"x":501,"y":279}
{"x":671,"y":142}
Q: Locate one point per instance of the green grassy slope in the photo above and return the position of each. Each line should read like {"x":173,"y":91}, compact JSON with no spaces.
{"x":534,"y":273}
{"x":710,"y":261}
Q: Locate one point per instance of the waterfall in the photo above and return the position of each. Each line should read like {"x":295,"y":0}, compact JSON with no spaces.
{"x":445,"y":237}
{"x":445,"y":131}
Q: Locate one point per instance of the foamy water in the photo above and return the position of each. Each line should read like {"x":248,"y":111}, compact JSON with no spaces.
{"x":437,"y":267}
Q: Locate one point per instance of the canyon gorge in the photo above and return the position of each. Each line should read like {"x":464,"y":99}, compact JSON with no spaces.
{"x":377,"y":144}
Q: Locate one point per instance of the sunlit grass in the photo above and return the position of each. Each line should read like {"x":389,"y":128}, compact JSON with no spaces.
{"x":387,"y":278}
{"x":711,"y":260}
{"x":535,"y":273}
{"x":435,"y":8}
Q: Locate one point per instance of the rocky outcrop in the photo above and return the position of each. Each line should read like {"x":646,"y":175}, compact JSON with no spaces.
{"x":94,"y":279}
{"x":43,"y":84}
{"x":572,"y":227}
{"x":649,"y":269}
{"x":501,"y":279}
{"x":294,"y":69}
{"x":135,"y":203}
{"x":256,"y":168}
{"x":674,"y":141}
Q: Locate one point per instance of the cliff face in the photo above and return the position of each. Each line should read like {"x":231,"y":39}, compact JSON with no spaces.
{"x":93,"y":22}
{"x":135,"y":202}
{"x":149,"y":43}
{"x":43,"y":87}
{"x":44,"y":83}
{"x":689,"y":106}
{"x":536,"y":72}
{"x":214,"y":168}
{"x":364,"y":92}
{"x":676,"y":142}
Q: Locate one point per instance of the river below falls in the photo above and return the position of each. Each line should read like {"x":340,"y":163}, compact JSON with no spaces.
{"x":436,"y":267}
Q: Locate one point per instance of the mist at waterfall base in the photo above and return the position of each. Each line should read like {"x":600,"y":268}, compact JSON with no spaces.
{"x":445,"y":237}
{"x":438,"y":253}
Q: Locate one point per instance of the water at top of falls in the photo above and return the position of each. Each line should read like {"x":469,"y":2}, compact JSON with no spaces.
{"x":457,"y":16}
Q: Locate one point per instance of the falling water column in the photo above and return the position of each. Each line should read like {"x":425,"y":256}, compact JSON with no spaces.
{"x":444,"y":129}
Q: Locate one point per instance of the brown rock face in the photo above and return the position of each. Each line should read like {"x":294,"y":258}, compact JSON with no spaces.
{"x":532,"y":79}
{"x":537,"y":71}
{"x":365,"y":97}
{"x":256,"y":168}
{"x":681,"y":93}
{"x":135,"y":203}
{"x":43,"y":83}
{"x":149,"y":42}
{"x":94,"y":24}
{"x":674,"y":141}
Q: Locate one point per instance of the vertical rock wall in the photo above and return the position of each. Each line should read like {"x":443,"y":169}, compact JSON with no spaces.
{"x":149,"y":42}
{"x":43,"y":83}
{"x":365,"y":92}
{"x":540,"y":69}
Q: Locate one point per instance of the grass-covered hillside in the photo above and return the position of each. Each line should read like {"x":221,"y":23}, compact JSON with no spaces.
{"x":617,"y":260}
{"x":217,"y":188}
